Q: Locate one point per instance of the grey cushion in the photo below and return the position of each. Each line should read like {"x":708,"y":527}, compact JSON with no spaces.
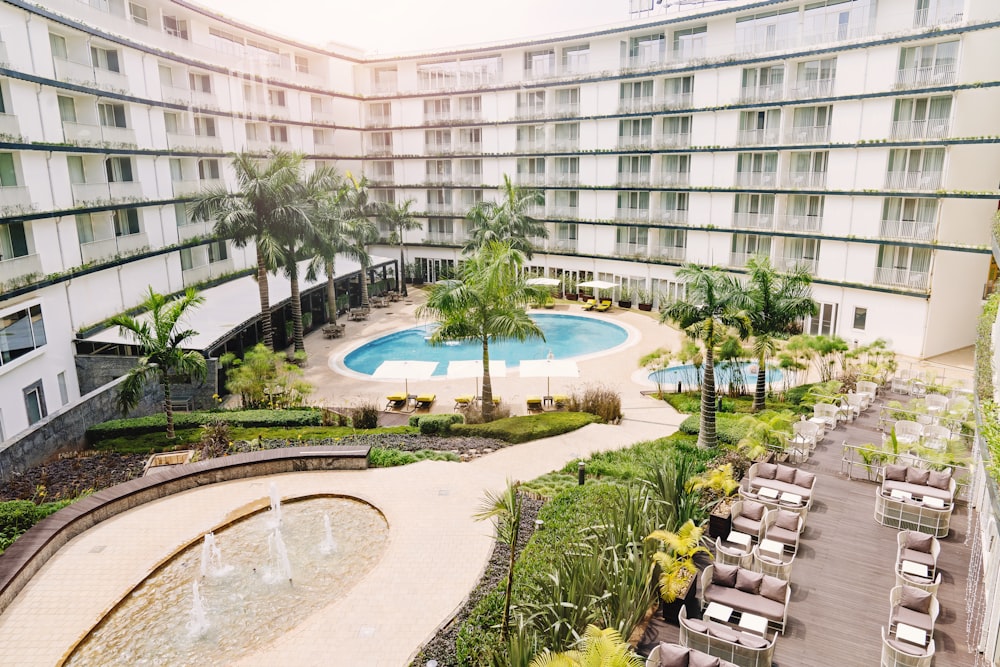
{"x":752,"y":510}
{"x":915,"y":600}
{"x":752,"y":641}
{"x":907,"y":647}
{"x":919,"y":541}
{"x":939,"y":479}
{"x":914,"y":618}
{"x":785,"y":474}
{"x":695,"y":625}
{"x":699,"y":659}
{"x":722,"y":632}
{"x":748,"y":581}
{"x":773,"y":588}
{"x":743,"y":602}
{"x":742,"y":524}
{"x":724,"y":575}
{"x":918,"y":557}
{"x":804,"y":479}
{"x":766,"y":470}
{"x":672,"y":655}
{"x":787,"y":520}
{"x":917,"y":475}
{"x":778,"y":534}
{"x":918,"y":490}
{"x":895,"y":473}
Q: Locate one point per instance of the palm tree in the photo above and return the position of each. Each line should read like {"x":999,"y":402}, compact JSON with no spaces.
{"x":774,"y":302}
{"x":266,"y":190}
{"x":597,"y":648}
{"x":401,"y":219}
{"x":162,"y":358}
{"x":487,"y":302}
{"x":504,"y":509}
{"x":707,"y":312}
{"x":507,"y":220}
{"x":357,"y":210}
{"x":676,"y":561}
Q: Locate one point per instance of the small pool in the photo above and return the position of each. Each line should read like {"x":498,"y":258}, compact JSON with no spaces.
{"x":743,"y":372}
{"x":566,"y":336}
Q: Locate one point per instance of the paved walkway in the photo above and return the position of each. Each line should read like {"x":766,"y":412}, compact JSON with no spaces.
{"x":435,"y":554}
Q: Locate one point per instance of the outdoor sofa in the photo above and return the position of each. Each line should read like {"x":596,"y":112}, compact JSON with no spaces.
{"x":744,"y":649}
{"x":673,"y":655}
{"x":747,"y":591}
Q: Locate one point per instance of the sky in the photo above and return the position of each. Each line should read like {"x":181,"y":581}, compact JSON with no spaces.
{"x":398,"y":26}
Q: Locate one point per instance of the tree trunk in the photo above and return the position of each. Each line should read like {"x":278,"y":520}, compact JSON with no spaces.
{"x":487,"y":403}
{"x":510,"y":582}
{"x":168,"y":409}
{"x":761,"y":390}
{"x":297,"y":329}
{"x":364,"y":287}
{"x":331,"y":293}
{"x":265,"y":300}
{"x":706,"y":434}
{"x":402,"y":265}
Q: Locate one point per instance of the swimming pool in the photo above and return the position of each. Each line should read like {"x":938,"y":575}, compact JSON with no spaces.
{"x":725,"y":372}
{"x":566,"y":336}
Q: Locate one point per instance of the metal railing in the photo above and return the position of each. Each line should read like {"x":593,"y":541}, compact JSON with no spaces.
{"x":791,"y":222}
{"x":805,"y":179}
{"x":669,"y":252}
{"x":756,"y":178}
{"x":765,"y":93}
{"x":920,"y":129}
{"x":626,"y":142}
{"x":671,"y":216}
{"x":810,"y":134}
{"x":913,"y":180}
{"x":632,"y":214}
{"x":816,"y":88}
{"x":767,"y":135}
{"x":631,"y":249}
{"x":907,"y":230}
{"x":677,"y":100}
{"x":922,"y":76}
{"x":753,"y":220}
{"x":632,"y":179}
{"x":674,"y":140}
{"x":793,"y":263}
{"x":901,"y":277}
{"x":675,"y":178}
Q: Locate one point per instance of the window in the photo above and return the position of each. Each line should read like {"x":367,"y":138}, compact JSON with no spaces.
{"x":106,"y":59}
{"x":256,"y":131}
{"x":567,"y":101}
{"x":58,"y":45}
{"x":678,"y":91}
{"x":175,"y":26}
{"x":437,"y":140}
{"x":904,"y":266}
{"x":825,"y":323}
{"x":3,"y":103}
{"x":209,"y":170}
{"x":762,"y":84}
{"x":921,"y":117}
{"x":909,"y":218}
{"x":276,"y":97}
{"x":634,"y":95}
{"x":929,"y":63}
{"x":217,"y":251}
{"x":646,"y":50}
{"x":21,"y":332}
{"x":279,"y":134}
{"x":118,"y":169}
{"x":470,"y":107}
{"x":77,"y":172}
{"x":635,"y":132}
{"x":915,"y":168}
{"x":383,"y":171}
{"x":471,"y":170}
{"x":811,"y":124}
{"x":633,"y":167}
{"x":204,"y":126}
{"x":8,"y":171}
{"x":690,"y":42}
{"x":63,"y":391}
{"x":567,"y":170}
{"x":767,"y":31}
{"x":438,"y":170}
{"x":531,"y":103}
{"x":138,"y":13}
{"x":566,"y":202}
{"x":753,"y":211}
{"x":201,"y":83}
{"x":302,"y":64}
{"x":14,"y":241}
{"x":815,"y":77}
{"x":67,"y":109}
{"x":34,"y":402}
{"x":860,"y":318}
{"x":434,"y":110}
{"x":533,"y":169}
{"x":126,"y":221}
{"x":470,"y":138}
{"x":575,"y":59}
{"x":111,"y":115}
{"x":539,"y":63}
{"x":633,"y":201}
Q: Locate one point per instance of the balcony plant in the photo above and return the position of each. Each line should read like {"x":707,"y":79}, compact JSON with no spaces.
{"x":645,"y":297}
{"x":624,"y":297}
{"x":677,"y":568}
{"x":569,"y":287}
{"x":718,"y":487}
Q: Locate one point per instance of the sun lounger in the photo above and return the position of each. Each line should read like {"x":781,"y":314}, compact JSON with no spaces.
{"x":534,"y":403}
{"x":425,"y":400}
{"x":590,"y":304}
{"x":560,"y":400}
{"x":395,"y":402}
{"x":463,"y":402}
{"x":603,"y":306}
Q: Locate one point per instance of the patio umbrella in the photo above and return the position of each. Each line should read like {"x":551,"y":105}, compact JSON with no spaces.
{"x":549,"y":368}
{"x":597,"y":285}
{"x":405,"y":371}
{"x":474,"y":369}
{"x":547,"y":282}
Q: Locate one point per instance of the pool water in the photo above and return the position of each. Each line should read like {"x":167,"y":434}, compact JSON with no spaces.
{"x":566,"y":336}
{"x":743,"y":372}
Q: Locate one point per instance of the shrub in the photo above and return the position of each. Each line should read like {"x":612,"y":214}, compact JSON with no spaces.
{"x":365,"y":415}
{"x":474,"y":415}
{"x":188,"y":420}
{"x":215,"y":439}
{"x":439,"y":424}
{"x":523,"y":429}
{"x":17,"y":516}
{"x":265,"y":379}
{"x":598,"y":400}
{"x":414,"y":421}
{"x":333,"y":418}
{"x":727,"y":427}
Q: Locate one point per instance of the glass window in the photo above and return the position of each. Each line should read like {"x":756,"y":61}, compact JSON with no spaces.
{"x":860,"y":317}
{"x":21,"y":332}
{"x":34,"y":402}
{"x":8,"y":174}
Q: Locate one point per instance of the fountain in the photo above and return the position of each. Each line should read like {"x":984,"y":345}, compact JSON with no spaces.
{"x":275,"y":516}
{"x":185,"y":617}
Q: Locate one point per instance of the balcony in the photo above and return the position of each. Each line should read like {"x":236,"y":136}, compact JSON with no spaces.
{"x":675,"y":140}
{"x":440,"y":207}
{"x":113,"y":247}
{"x":71,"y":71}
{"x":566,"y":178}
{"x":204,"y":100}
{"x":382,"y":179}
{"x":566,"y":212}
{"x":677,"y":100}
{"x":675,"y":178}
{"x":793,"y":263}
{"x":631,"y":179}
{"x":437,"y":179}
{"x":671,"y":216}
{"x":377,"y":150}
{"x":324,"y":147}
{"x":90,"y":192}
{"x":437,"y":148}
{"x":767,"y":135}
{"x":907,"y":230}
{"x":3,"y":54}
{"x":913,"y":180}
{"x":386,"y":85}
{"x":669,"y":252}
{"x":569,"y":145}
{"x":175,"y":94}
{"x":199,"y":274}
{"x":210,"y":183}
{"x":469,"y":179}
{"x":938,"y":75}
{"x":19,"y":268}
{"x":740,"y":259}
{"x":536,"y":111}
{"x":808,"y":135}
{"x":631,"y":249}
{"x":185,"y":188}
{"x":768,"y":93}
{"x":899,"y":277}
{"x":632,"y":214}
{"x":566,"y":109}
{"x":15,"y":199}
{"x":469,"y":147}
{"x":118,"y":135}
{"x":9,"y":126}
{"x":440,"y":237}
{"x":82,"y":133}
{"x":322,"y":116}
{"x":629,"y":143}
{"x":378,"y":121}
{"x":756,"y":178}
{"x":753,"y":220}
{"x":920,"y":129}
{"x":531,"y":180}
{"x":805,"y":179}
{"x":540,"y":71}
{"x":186,"y":139}
{"x":563,"y":245}
{"x":257,"y":145}
{"x":430,"y":118}
{"x":817,"y":88}
{"x":798,"y":223}
{"x":125,"y":189}
{"x":530,"y":146}
{"x":940,"y":14}
{"x":644,"y":60}
{"x":636,"y":104}
{"x":195,"y":229}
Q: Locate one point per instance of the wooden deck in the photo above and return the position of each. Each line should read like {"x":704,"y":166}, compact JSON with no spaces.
{"x":844,"y":571}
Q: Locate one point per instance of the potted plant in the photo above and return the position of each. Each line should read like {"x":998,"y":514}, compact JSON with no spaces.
{"x":569,"y":287}
{"x":625,"y":297}
{"x":718,"y":487}
{"x":418,"y":274}
{"x":645,"y":297}
{"x":677,"y":569}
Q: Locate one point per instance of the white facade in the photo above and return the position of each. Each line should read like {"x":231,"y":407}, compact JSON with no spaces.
{"x":853,"y":137}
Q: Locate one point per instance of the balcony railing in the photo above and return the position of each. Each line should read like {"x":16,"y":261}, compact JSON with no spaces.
{"x":437,"y":179}
{"x":572,"y":212}
{"x":941,"y":13}
{"x":210,"y":183}
{"x":530,"y":179}
{"x":756,"y":178}
{"x":178,"y":94}
{"x":805,"y":179}
{"x":563,"y":245}
{"x":793,"y":263}
{"x":629,"y":179}
{"x":195,"y":229}
{"x":922,"y":76}
{"x":798,"y":223}
{"x":808,"y":135}
{"x":14,"y":268}
{"x":3,"y":54}
{"x":386,"y":86}
{"x":645,"y":141}
{"x":632,"y":214}
{"x":199,"y":274}
{"x":566,"y":178}
{"x":901,"y":277}
{"x":72,"y":71}
{"x":753,"y":220}
{"x":201,"y":99}
{"x":437,"y":148}
{"x":530,"y":145}
{"x":378,"y":121}
{"x":642,"y":60}
{"x":468,"y":115}
{"x":920,"y":129}
{"x":440,"y":237}
{"x":469,"y":147}
{"x":118,"y":135}
{"x":378,"y":149}
{"x":677,"y":100}
{"x":636,"y":104}
{"x":913,"y":180}
{"x":767,"y":135}
{"x":9,"y":125}
{"x":184,"y":188}
{"x":740,"y":259}
{"x":125,"y":189}
{"x":817,"y":88}
{"x":15,"y":199}
{"x":766,"y":93}
{"x":533,"y":111}
{"x":81,"y":133}
{"x":632,"y":249}
{"x":567,"y":109}
{"x":440,"y":207}
{"x":320,"y":116}
{"x":90,"y":192}
{"x":675,"y":140}
{"x":672,"y":216}
{"x":469,"y":179}
{"x":114,"y":246}
{"x":187,"y":139}
{"x":907,"y":230}
{"x":669,"y":252}
{"x":675,"y":178}
{"x":566,"y":144}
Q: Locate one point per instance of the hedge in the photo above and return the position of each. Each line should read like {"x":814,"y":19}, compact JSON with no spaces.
{"x":524,"y":429}
{"x":439,"y":424}
{"x":186,"y":420}
{"x":727,"y":427}
{"x":17,"y":516}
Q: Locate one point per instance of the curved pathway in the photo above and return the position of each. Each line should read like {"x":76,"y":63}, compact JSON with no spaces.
{"x":435,"y":554}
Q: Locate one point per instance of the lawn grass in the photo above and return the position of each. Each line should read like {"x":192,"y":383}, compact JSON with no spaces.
{"x":531,"y":427}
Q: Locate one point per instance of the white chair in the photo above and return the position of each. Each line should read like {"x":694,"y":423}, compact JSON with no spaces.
{"x":900,"y":384}
{"x":806,"y":432}
{"x":897,"y":653}
{"x":908,"y":432}
{"x":857,"y":404}
{"x":936,"y":437}
{"x":826,"y":412}
{"x":866,"y":388}
{"x":936,"y":403}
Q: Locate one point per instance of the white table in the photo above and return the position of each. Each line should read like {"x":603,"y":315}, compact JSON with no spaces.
{"x":754,"y":623}
{"x":790,"y":498}
{"x":911,"y":634}
{"x":720,"y":612}
{"x":768,"y":492}
{"x":918,"y":569}
{"x":741,"y":539}
{"x":900,"y":495}
{"x":931,"y":501}
{"x":771,"y":548}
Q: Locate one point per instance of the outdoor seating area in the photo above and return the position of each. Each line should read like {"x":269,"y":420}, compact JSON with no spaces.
{"x":358,"y":314}
{"x":778,"y":486}
{"x":737,"y":645}
{"x":334,"y":330}
{"x":916,"y":499}
{"x":916,"y":561}
{"x":672,"y":655}
{"x":597,"y":305}
{"x":909,"y":638}
{"x":729,"y":593}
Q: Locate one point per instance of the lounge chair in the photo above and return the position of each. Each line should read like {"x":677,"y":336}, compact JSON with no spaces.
{"x":425,"y":401}
{"x":590,"y":304}
{"x":463,"y":402}
{"x":560,"y":400}
{"x":534,"y":403}
{"x":603,"y":306}
{"x":395,"y":402}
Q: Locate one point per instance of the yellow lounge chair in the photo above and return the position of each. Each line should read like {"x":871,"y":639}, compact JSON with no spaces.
{"x":589,"y":305}
{"x":603,"y":306}
{"x":534,"y":403}
{"x":560,"y":400}
{"x":463,"y":402}
{"x":395,"y":402}
{"x":425,"y":400}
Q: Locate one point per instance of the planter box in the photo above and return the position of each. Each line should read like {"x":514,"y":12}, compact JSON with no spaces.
{"x":624,"y":304}
{"x":646,"y":307}
{"x":670,"y":611}
{"x":720,"y":525}
{"x":571,"y":297}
